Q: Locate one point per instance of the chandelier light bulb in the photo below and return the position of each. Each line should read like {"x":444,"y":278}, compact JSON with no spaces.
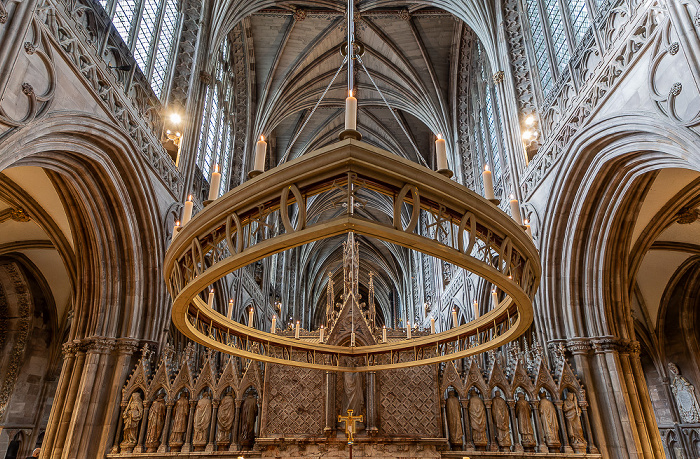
{"x":530,"y":120}
{"x":350,"y":112}
{"x":175,"y":118}
{"x":441,"y":153}
{"x":527,"y":135}
{"x":260,"y":152}
{"x":215,"y":183}
{"x":487,"y":178}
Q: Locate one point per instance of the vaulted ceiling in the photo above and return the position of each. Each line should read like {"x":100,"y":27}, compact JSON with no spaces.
{"x":411,"y":54}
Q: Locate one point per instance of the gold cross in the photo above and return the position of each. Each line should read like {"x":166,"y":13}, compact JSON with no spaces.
{"x":350,"y":428}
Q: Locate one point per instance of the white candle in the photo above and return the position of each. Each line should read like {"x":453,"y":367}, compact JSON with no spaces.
{"x":494,"y":298}
{"x":187,"y":212}
{"x":441,"y":153}
{"x":229,"y":314}
{"x":176,"y":228}
{"x":528,"y":229}
{"x":476,"y":310}
{"x":350,"y":112}
{"x":408,"y":330}
{"x":487,"y":176}
{"x":454,"y":318}
{"x":296,"y":331}
{"x":352,"y":339}
{"x":320,"y":337}
{"x":273,"y":328}
{"x":215,"y":183}
{"x":515,"y":210}
{"x":432,"y":325}
{"x":251,"y":311}
{"x":384,"y":334}
{"x":210,"y":300}
{"x":260,"y":151}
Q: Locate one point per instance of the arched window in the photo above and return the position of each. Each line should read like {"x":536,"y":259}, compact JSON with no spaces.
{"x":215,"y":135}
{"x":150,"y":29}
{"x":557,"y":28}
{"x":488,"y":125}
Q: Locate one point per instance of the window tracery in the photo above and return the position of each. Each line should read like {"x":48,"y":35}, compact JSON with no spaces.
{"x":215,"y":135}
{"x":150,"y":28}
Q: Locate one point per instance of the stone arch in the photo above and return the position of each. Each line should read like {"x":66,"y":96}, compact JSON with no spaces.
{"x":585,"y":250}
{"x":105,"y":189}
{"x":607,"y":161}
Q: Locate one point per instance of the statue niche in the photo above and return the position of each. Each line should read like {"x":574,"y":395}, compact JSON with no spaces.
{"x":572,"y":413}
{"x":501,"y":420}
{"x":224,"y":422}
{"x":550,"y":425}
{"x":156,"y":418}
{"x":249,"y":414}
{"x":132,"y":416}
{"x":202,"y":421}
{"x":523,"y":413}
{"x":453,"y":411}
{"x":179,"y":427}
{"x":477,"y":420}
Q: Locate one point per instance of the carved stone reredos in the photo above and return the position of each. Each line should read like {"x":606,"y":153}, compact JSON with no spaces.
{"x":343,"y":326}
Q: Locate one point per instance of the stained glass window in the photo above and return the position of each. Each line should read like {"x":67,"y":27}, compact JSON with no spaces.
{"x":579,"y":18}
{"x":149,"y":28}
{"x":216,"y":132}
{"x":540,"y":45}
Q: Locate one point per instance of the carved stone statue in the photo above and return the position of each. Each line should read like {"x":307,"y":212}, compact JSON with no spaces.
{"x":573,"y":423}
{"x":132,"y":415}
{"x":684,"y":392}
{"x":224,"y":420}
{"x":180,"y":411}
{"x":501,"y":420}
{"x":202,"y":421}
{"x":550,"y":425}
{"x":156,"y":418}
{"x":454,"y":420}
{"x":477,"y":419}
{"x":524,"y":415}
{"x":353,"y":395}
{"x":249,"y":412}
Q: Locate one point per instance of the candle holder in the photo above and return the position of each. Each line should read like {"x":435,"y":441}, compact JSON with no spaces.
{"x":446,"y":172}
{"x":495,"y":202}
{"x":254,"y":173}
{"x":350,"y":134}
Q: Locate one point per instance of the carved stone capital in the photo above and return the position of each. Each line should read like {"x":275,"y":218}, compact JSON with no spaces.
{"x":578,"y":346}
{"x":605,"y":345}
{"x":69,"y":349}
{"x":127,"y":346}
{"x":100,"y":345}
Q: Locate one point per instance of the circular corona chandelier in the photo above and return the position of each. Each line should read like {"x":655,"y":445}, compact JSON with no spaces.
{"x":469,"y":231}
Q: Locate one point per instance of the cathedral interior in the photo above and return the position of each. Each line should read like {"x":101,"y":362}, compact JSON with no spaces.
{"x":325,"y":228}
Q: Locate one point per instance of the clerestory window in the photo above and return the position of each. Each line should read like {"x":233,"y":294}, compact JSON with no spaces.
{"x":216,"y":136}
{"x":557,"y":27}
{"x":150,"y":29}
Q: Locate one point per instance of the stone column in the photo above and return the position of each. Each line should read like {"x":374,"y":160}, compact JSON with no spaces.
{"x":187,"y":446}
{"x":212,"y":427}
{"x":63,"y":383}
{"x":234,"y":443}
{"x":120,"y":426}
{"x":67,"y":413}
{"x":166,"y":427}
{"x":492,"y":431}
{"x":372,"y":427}
{"x":564,"y":433}
{"x":541,"y":444}
{"x":517,"y":446}
{"x":142,"y":430}
{"x":645,"y":400}
{"x":466,"y":428}
{"x":329,"y":429}
{"x":125,"y":348}
{"x":635,"y":404}
{"x":589,"y":434}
